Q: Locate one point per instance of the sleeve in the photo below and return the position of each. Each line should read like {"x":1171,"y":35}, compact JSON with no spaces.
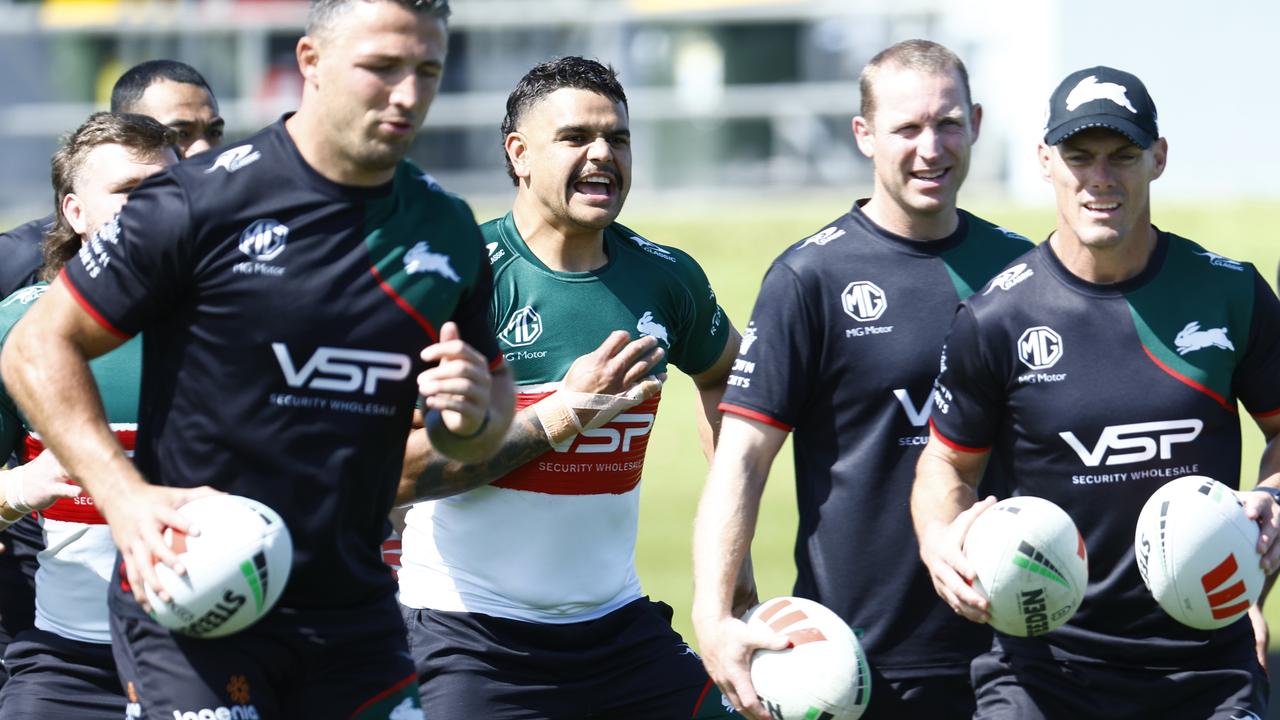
{"x":1255,"y":379}
{"x":137,"y":265}
{"x":704,"y":331}
{"x":472,"y":313}
{"x":969,"y":395}
{"x":776,"y":369}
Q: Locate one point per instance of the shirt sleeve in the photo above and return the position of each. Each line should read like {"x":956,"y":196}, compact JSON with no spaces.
{"x":776,"y":368}
{"x":969,"y":395}
{"x":704,"y":330}
{"x":1256,"y":376}
{"x":137,"y":264}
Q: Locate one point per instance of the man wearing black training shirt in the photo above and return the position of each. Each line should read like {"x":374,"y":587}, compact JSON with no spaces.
{"x":842,"y":348}
{"x":285,"y":289}
{"x":1111,"y":367}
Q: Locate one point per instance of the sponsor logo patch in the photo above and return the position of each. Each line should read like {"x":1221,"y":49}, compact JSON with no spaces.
{"x":863,"y":301}
{"x":1040,"y":347}
{"x":653,"y":248}
{"x":235,"y":158}
{"x":1010,"y":277}
{"x":1089,"y":89}
{"x":523,"y":327}
{"x":264,"y":239}
{"x":646,"y":325}
{"x":748,"y":338}
{"x":1217,"y":260}
{"x":823,"y":237}
{"x":1135,"y":442}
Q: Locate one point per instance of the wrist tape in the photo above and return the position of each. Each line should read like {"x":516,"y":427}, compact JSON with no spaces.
{"x":565,"y":413}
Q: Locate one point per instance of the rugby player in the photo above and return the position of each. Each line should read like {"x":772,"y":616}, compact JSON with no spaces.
{"x":172,"y":92}
{"x":286,"y":289}
{"x":518,"y":578}
{"x":1115,"y":329}
{"x":62,"y":667}
{"x":178,"y":96}
{"x":842,"y":349}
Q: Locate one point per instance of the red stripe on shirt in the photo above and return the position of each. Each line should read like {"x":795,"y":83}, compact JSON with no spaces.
{"x":753,"y":415}
{"x":93,"y":312}
{"x":1230,"y":407}
{"x":404,"y":305}
{"x":953,"y":444}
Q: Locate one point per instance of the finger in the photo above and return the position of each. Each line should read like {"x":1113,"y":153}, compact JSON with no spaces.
{"x":643,"y":366}
{"x":453,"y":349}
{"x":449,"y":331}
{"x":635,"y":350}
{"x":473,"y":389}
{"x":140,"y":570}
{"x":65,"y":490}
{"x":615,"y":343}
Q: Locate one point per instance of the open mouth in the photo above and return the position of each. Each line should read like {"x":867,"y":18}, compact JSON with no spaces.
{"x":931,"y":176}
{"x":1102,"y":209}
{"x":596,"y":185}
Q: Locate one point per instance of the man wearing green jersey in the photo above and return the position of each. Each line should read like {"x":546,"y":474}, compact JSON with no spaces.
{"x":518,"y":575}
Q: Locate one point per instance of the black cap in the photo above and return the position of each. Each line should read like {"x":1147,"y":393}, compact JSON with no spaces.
{"x":1101,"y":97}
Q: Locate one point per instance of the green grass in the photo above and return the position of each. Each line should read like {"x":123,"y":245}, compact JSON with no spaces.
{"x":735,"y":245}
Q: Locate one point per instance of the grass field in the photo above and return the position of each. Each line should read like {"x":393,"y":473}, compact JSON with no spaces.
{"x":735,"y":246}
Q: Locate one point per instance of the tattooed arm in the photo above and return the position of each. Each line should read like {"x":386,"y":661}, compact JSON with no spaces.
{"x":613,"y":368}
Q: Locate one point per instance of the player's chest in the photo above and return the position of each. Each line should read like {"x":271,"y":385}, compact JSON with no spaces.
{"x":543,"y":325}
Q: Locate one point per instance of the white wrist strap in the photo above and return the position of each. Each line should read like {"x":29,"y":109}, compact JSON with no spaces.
{"x":15,"y":494}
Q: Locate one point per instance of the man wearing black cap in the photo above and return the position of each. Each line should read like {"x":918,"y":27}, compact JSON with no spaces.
{"x":1086,"y":381}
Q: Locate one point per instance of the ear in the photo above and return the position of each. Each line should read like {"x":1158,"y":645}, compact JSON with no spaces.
{"x":308,"y":53}
{"x":1045,"y":154}
{"x":975,"y":122}
{"x":73,"y":211}
{"x":518,"y":152}
{"x":1160,"y":153}
{"x":864,"y":134}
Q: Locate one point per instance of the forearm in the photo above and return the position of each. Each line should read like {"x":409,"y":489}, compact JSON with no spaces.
{"x":722,"y":533}
{"x":48,"y":376}
{"x":941,"y":491}
{"x":430,"y":475}
{"x":708,"y":418}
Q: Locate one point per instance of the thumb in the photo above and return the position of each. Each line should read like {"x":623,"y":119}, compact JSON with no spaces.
{"x":65,"y":490}
{"x":449,"y":331}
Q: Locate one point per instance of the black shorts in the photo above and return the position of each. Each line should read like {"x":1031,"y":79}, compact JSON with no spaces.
{"x":1018,"y":687}
{"x":940,"y":696}
{"x":293,"y":664}
{"x":626,"y":665}
{"x":56,"y":678}
{"x":22,"y":541}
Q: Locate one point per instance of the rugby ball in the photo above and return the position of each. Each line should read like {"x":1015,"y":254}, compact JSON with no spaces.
{"x":237,"y":567}
{"x":1197,"y":552}
{"x":1031,"y":565}
{"x":822,"y":676}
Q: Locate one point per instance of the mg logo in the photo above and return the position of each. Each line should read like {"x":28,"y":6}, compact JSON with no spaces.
{"x":1040,"y":347}
{"x":1136,"y":442}
{"x":263,"y":240}
{"x":524,"y":327}
{"x":863,"y":301}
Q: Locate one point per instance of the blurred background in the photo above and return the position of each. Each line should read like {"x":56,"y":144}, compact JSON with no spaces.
{"x":740,"y":115}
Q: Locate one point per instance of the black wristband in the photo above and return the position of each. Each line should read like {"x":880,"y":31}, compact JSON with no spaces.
{"x":1273,"y":492}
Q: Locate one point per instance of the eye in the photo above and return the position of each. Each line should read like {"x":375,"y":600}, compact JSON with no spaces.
{"x":214,"y":134}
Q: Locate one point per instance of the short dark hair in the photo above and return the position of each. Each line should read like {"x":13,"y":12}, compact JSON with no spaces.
{"x":321,"y":13}
{"x":129,"y":89}
{"x":545,"y":78}
{"x":921,"y":55}
{"x":141,"y":134}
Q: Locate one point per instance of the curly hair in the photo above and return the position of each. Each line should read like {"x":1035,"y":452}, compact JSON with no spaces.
{"x":142,"y":135}
{"x":545,"y":78}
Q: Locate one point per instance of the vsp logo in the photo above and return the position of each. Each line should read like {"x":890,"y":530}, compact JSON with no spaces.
{"x":1040,"y":347}
{"x":617,"y":436}
{"x":342,"y":369}
{"x":863,"y":301}
{"x":264,"y":240}
{"x":919,"y":416}
{"x":524,"y":327}
{"x":1136,"y":442}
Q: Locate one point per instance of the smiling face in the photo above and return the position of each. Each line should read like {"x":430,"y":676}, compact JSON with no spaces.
{"x":1101,"y":181}
{"x":918,"y":140}
{"x":571,"y":155}
{"x":369,"y":82}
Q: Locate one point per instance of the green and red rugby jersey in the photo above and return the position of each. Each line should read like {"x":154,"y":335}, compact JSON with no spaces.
{"x":554,"y":540}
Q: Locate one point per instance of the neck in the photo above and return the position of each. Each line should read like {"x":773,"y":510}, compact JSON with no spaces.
{"x":919,"y":226}
{"x":325,"y":158}
{"x":560,"y":247}
{"x":1104,"y":265}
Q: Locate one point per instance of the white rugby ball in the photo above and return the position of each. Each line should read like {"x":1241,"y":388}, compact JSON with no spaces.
{"x":237,"y":567}
{"x":823,"y":676}
{"x":1197,"y":552}
{"x":1031,"y":565}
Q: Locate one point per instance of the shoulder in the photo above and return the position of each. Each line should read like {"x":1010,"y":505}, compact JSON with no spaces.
{"x":641,"y":254}
{"x":12,"y":308}
{"x":26,"y":235}
{"x":996,"y":235}
{"x":1018,"y":282}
